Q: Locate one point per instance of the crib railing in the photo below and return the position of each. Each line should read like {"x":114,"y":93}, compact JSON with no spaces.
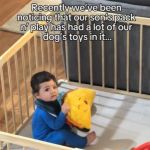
{"x":24,"y":143}
{"x":79,"y":72}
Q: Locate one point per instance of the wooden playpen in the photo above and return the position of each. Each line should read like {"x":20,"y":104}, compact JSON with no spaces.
{"x":31,"y":54}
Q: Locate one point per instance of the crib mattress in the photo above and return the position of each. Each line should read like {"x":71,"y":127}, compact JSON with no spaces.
{"x":120,"y":121}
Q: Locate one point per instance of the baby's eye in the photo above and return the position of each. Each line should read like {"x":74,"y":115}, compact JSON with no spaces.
{"x":47,"y":89}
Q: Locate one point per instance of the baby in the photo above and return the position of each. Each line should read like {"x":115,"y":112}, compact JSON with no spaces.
{"x":49,"y":119}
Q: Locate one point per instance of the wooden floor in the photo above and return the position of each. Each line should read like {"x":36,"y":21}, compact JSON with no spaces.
{"x":7,"y":10}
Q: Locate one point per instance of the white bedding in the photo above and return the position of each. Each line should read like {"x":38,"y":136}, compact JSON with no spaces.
{"x":120,"y":121}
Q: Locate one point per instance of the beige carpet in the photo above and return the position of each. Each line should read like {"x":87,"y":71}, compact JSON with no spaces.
{"x":13,"y":26}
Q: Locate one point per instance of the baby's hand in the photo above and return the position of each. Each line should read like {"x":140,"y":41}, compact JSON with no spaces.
{"x":65,"y":108}
{"x":66,"y":95}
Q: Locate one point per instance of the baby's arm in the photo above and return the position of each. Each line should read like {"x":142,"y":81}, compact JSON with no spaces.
{"x":65,"y":108}
{"x":54,"y":122}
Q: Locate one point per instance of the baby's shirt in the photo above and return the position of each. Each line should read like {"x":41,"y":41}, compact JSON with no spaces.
{"x":44,"y":121}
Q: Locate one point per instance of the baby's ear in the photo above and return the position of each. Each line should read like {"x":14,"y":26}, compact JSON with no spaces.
{"x":36,"y":95}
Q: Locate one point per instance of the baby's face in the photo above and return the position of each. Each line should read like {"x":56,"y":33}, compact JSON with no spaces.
{"x":48,"y":91}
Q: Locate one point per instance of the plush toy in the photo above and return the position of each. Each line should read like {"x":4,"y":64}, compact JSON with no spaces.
{"x":80,"y":102}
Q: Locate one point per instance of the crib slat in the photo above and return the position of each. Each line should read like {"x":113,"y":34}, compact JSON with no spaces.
{"x":67,"y":59}
{"x":24,"y":80}
{"x":30,"y":64}
{"x":4,"y":98}
{"x":115,"y":59}
{"x":8,"y":146}
{"x":42,"y":52}
{"x":1,"y":145}
{"x":24,"y":148}
{"x":90,"y":58}
{"x":140,"y":65}
{"x":49,"y":55}
{"x":18,"y":87}
{"x":127,"y":63}
{"x":103,"y":63}
{"x":11,"y":94}
{"x":29,"y":55}
{"x":54,"y":53}
{"x":78,"y":57}
{"x":36,"y":53}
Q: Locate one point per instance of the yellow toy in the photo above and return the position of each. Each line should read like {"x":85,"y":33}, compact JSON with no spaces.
{"x":80,"y":102}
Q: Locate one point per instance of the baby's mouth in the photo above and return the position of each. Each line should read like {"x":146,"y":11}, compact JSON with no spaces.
{"x":53,"y":96}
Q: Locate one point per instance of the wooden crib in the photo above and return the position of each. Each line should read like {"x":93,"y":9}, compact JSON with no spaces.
{"x":31,"y":54}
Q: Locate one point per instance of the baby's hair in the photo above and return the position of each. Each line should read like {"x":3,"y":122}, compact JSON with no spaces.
{"x":39,"y":78}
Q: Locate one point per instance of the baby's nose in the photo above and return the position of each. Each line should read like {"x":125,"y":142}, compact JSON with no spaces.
{"x":52,"y":91}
